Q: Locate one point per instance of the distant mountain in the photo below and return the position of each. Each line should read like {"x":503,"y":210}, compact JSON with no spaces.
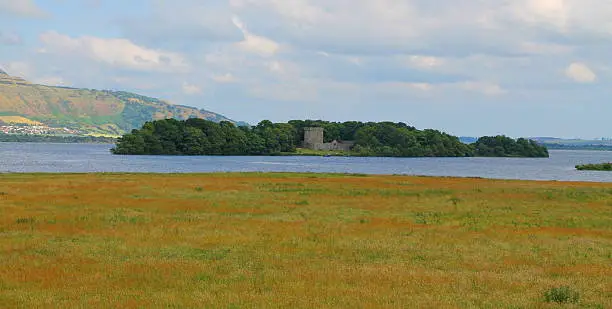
{"x":84,"y":111}
{"x":468,"y":139}
{"x":573,"y":142}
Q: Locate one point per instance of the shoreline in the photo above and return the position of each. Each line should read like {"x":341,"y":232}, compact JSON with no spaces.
{"x":307,"y":175}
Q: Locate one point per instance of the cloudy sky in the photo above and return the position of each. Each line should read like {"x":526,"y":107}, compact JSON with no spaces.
{"x":468,"y":67}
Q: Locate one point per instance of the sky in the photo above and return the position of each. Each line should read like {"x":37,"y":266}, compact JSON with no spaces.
{"x":468,"y":67}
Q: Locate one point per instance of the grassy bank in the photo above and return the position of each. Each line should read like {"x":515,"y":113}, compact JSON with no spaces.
{"x":311,"y":152}
{"x":595,"y":167}
{"x":302,"y":241}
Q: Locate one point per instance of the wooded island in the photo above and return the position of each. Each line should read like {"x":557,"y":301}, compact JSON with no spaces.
{"x":607,"y":167}
{"x":385,"y":139}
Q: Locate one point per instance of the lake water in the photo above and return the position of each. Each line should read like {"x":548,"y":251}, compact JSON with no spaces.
{"x":36,"y":157}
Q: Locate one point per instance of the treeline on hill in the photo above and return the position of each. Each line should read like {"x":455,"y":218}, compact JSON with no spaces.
{"x":203,"y":137}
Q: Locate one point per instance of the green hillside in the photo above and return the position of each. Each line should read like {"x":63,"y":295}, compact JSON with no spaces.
{"x":87,"y":111}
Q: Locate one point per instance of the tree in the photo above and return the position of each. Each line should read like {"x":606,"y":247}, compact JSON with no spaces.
{"x":503,"y":146}
{"x":202,"y":137}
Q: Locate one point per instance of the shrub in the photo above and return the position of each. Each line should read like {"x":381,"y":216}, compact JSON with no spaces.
{"x":561,"y":295}
{"x":595,"y":167}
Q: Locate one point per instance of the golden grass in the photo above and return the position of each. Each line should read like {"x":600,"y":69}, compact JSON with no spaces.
{"x":19,"y":120}
{"x":300,"y":241}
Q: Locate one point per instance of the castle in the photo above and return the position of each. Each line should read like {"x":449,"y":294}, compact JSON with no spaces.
{"x":313,"y":139}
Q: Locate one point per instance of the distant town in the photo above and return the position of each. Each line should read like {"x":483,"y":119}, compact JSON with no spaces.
{"x":36,"y":130}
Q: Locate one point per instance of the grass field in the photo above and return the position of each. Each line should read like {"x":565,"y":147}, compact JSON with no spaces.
{"x":19,"y":120}
{"x":301,"y":241}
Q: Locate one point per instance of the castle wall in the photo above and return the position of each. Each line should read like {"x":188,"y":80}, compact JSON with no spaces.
{"x":343,"y":146}
{"x":313,"y":136}
{"x":313,"y":139}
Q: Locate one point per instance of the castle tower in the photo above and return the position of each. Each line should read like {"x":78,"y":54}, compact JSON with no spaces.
{"x":313,"y":136}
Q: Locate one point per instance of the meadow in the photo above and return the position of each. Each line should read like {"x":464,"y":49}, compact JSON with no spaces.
{"x":258,"y":240}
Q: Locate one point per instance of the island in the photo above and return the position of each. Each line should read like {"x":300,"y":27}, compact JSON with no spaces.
{"x":312,"y":137}
{"x":595,"y":167}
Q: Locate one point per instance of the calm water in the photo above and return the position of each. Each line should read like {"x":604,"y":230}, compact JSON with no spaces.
{"x":26,"y":157}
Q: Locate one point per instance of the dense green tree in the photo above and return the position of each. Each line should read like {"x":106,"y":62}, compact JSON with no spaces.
{"x":194,"y":141}
{"x":203,"y":137}
{"x":132,"y":143}
{"x":503,"y":146}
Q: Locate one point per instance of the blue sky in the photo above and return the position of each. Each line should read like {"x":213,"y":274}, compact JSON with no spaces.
{"x":480,"y":67}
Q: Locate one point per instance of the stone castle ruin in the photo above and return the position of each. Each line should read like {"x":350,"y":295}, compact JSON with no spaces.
{"x":313,"y":139}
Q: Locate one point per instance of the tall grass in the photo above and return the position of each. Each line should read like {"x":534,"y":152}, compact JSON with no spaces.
{"x":256,"y":240}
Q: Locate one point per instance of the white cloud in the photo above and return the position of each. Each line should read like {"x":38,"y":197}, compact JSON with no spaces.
{"x":355,"y":60}
{"x":577,"y":17}
{"x":486,"y":88}
{"x":51,"y":81}
{"x":377,"y":26}
{"x":423,"y":26}
{"x":425,"y":62}
{"x":421,"y":86}
{"x":276,"y":67}
{"x":289,"y":92}
{"x":478,"y":87}
{"x":302,"y":11}
{"x":120,"y":53}
{"x":367,"y":56}
{"x":349,"y":93}
{"x":332,"y":22}
{"x":190,"y":89}
{"x":135,"y":83}
{"x":171,"y":23}
{"x":253,"y":43}
{"x":20,"y":69}
{"x":22,"y":8}
{"x":225,"y":78}
{"x":401,"y":89}
{"x":537,"y":48}
{"x":547,"y":12}
{"x":580,"y":72}
{"x":10,"y":38}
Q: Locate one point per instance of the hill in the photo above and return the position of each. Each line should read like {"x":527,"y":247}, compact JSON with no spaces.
{"x":40,"y":109}
{"x":468,"y":139}
{"x":575,"y":144}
